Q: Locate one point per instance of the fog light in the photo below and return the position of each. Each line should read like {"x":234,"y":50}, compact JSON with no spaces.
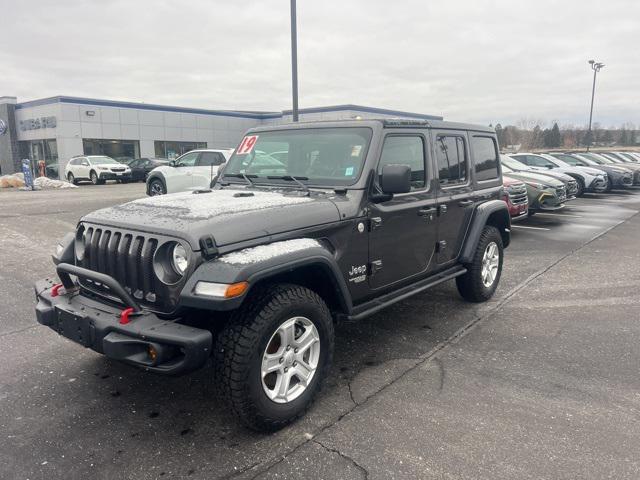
{"x":153,"y":353}
{"x":220,"y":290}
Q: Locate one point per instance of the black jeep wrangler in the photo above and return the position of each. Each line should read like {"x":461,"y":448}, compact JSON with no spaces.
{"x":306,"y":225}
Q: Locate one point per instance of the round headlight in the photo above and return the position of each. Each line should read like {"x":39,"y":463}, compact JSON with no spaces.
{"x":179,"y":259}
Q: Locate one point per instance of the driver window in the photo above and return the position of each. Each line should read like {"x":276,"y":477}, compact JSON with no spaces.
{"x":405,"y":150}
{"x":187,"y":160}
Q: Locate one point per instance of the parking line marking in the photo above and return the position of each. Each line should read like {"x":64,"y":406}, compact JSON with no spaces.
{"x":532,"y":228}
{"x":560,"y":215}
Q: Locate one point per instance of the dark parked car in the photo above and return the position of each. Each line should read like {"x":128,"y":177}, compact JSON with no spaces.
{"x":253,"y":274}
{"x":140,"y":167}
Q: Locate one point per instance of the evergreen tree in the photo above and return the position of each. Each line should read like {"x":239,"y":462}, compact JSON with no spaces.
{"x":555,"y":137}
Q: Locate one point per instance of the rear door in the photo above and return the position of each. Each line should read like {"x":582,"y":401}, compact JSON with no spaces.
{"x":454,"y":191}
{"x":206,"y":168}
{"x":403,"y":230}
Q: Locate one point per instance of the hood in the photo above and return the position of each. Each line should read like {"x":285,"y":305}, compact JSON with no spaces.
{"x":509,"y":181}
{"x":590,"y":170}
{"x":230,"y":215}
{"x":536,"y":178}
{"x":563,"y":177}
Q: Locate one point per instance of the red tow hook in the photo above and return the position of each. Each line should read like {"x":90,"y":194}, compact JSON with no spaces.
{"x":124,"y":315}
{"x":55,"y":289}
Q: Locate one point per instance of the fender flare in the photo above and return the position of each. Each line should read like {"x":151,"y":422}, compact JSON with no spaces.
{"x":493,"y":212}
{"x":152,"y":176}
{"x":311,"y":260}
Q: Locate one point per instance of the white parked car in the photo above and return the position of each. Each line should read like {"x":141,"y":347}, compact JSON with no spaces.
{"x":95,"y":168}
{"x":193,"y":170}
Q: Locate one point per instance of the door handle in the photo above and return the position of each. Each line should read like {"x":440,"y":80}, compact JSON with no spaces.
{"x":465,"y":203}
{"x":425,"y":212}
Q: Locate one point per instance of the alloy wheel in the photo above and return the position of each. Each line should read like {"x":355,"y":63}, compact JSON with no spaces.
{"x":290,"y":360}
{"x":490,"y":263}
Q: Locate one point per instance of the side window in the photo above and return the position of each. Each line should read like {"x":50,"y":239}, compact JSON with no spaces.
{"x":188,"y":159}
{"x":73,"y":161}
{"x":405,"y":150}
{"x":485,"y":158}
{"x":523,"y":159}
{"x":210,"y":158}
{"x":451,"y":154}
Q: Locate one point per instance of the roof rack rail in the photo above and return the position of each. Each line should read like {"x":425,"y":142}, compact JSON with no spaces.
{"x":404,"y":122}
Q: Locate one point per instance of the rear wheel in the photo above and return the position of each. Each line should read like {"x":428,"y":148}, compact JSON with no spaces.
{"x":72,"y":179}
{"x":483,"y":273}
{"x":273,"y":355}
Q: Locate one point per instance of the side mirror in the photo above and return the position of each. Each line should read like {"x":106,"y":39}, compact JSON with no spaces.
{"x":172,"y":163}
{"x":395,"y":179}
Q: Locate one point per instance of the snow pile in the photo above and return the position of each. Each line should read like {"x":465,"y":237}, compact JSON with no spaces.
{"x":216,"y":203}
{"x":266,"y":252}
{"x":50,"y":183}
{"x":12,"y":181}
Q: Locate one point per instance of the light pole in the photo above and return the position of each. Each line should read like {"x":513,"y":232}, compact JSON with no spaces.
{"x":294,"y":60}
{"x":595,"y":66}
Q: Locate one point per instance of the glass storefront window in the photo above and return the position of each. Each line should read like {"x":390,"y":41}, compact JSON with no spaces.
{"x":172,"y":150}
{"x":43,"y":155}
{"x":121,"y":150}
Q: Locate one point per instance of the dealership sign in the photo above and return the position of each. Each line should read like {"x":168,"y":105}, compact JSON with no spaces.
{"x":38,"y":123}
{"x":3,"y":127}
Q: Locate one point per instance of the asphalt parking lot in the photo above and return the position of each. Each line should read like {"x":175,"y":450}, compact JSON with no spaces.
{"x":541,"y":382}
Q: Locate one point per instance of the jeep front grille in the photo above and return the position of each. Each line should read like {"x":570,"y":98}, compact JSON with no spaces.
{"x":127,"y":257}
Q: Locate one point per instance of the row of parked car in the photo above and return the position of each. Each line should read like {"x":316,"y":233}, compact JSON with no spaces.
{"x":536,"y":182}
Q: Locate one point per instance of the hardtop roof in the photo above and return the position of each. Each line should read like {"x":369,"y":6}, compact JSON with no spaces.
{"x":387,"y":123}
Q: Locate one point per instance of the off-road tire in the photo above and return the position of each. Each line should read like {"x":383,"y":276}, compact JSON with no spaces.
{"x":240,"y":345}
{"x":72,"y":179}
{"x":470,"y":284}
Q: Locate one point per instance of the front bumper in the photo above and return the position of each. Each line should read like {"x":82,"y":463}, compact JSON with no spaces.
{"x":177,"y":348}
{"x":114,"y":176}
{"x":547,"y":201}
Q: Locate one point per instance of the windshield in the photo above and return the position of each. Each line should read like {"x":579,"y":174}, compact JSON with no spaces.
{"x":556,"y":161}
{"x":514,"y":164}
{"x":316,"y":156}
{"x":587,"y":160}
{"x":596,"y":158}
{"x":102,"y":160}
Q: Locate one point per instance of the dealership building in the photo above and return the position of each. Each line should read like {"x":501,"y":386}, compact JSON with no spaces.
{"x":52,"y":130}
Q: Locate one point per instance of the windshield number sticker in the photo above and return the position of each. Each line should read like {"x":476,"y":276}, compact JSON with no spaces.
{"x":247,"y":144}
{"x":348,"y":171}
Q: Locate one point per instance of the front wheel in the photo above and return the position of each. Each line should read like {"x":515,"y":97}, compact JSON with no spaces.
{"x":273,"y":355}
{"x":95,"y":179}
{"x":156,"y":187}
{"x":483,"y":273}
{"x":581,"y":187}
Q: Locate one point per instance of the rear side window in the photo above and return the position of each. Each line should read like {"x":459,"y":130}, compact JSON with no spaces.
{"x":405,"y":150}
{"x":451,"y":154}
{"x":485,"y":158}
{"x":210,"y":158}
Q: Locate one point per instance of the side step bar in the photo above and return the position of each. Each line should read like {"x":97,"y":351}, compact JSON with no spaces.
{"x":373,"y":306}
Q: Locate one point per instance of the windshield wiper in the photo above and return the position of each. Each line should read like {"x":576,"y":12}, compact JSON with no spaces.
{"x":291,"y":178}
{"x":246,"y":178}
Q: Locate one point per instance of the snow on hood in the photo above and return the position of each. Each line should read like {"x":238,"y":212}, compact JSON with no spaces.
{"x":230,"y":215}
{"x":266,"y":252}
{"x":214,"y":204}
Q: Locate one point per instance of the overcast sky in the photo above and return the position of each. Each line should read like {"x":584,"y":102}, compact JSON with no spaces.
{"x":480,"y":61}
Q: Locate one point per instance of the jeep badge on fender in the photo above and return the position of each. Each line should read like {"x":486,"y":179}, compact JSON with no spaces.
{"x":307,"y":224}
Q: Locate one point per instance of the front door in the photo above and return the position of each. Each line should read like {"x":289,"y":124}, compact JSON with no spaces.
{"x":183,"y":179}
{"x":403,"y":230}
{"x":454,"y":192}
